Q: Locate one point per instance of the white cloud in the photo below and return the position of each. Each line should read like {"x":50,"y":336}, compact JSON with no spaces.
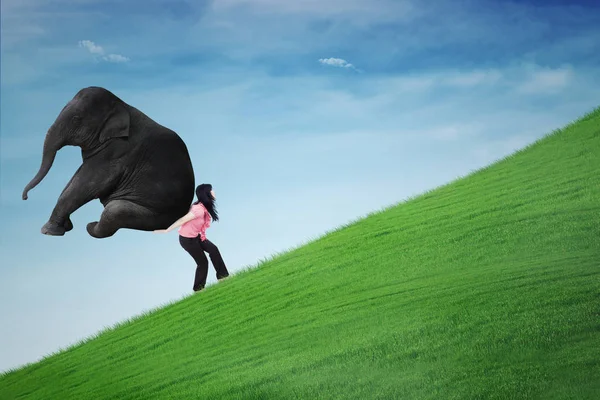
{"x":337,"y":62}
{"x":98,"y":50}
{"x":117,"y":58}
{"x":91,"y":46}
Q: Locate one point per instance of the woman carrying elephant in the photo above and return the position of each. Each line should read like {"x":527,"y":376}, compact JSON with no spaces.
{"x":192,"y":236}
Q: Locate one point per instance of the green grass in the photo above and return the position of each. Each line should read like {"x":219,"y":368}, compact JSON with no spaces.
{"x":488,"y":287}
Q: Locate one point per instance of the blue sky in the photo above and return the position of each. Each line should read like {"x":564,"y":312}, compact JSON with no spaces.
{"x":304,"y":116}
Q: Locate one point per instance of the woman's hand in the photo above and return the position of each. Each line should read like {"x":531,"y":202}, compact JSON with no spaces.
{"x":187,"y":217}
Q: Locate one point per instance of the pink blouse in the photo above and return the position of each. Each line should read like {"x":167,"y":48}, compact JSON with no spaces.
{"x":198,"y":225}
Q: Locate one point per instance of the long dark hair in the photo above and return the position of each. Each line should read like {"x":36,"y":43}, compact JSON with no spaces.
{"x":206,"y":198}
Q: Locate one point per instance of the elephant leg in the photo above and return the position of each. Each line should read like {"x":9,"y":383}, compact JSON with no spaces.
{"x":87,"y":183}
{"x":120,"y":214}
{"x":68,"y":225}
{"x":53,"y":226}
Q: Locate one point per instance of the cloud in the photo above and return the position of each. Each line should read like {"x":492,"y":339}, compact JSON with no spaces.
{"x":117,"y":58}
{"x":93,"y":48}
{"x":337,"y":62}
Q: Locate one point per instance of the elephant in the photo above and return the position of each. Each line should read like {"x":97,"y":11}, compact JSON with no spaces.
{"x":140,"y":171}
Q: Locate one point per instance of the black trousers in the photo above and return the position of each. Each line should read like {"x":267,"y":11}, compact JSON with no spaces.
{"x":196,"y":248}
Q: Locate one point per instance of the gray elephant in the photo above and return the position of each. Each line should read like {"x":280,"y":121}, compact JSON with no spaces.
{"x":139,"y":170}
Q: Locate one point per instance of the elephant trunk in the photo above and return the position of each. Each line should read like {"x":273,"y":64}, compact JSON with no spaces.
{"x":51,"y":147}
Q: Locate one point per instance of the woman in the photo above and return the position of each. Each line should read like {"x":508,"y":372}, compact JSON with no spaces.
{"x":192,"y":235}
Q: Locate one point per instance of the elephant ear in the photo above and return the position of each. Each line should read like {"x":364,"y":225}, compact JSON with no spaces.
{"x":116,"y":124}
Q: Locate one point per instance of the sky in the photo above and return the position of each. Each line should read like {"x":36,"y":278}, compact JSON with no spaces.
{"x":304,"y":116}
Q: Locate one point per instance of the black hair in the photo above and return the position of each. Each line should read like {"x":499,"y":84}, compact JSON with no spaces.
{"x":206,"y":198}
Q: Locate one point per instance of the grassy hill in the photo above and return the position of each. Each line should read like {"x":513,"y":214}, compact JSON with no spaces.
{"x":488,"y":287}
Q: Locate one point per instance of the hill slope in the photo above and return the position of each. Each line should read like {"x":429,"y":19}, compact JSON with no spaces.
{"x":484,"y":288}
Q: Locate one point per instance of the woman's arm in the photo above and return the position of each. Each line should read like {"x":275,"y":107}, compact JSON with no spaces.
{"x":187,"y":217}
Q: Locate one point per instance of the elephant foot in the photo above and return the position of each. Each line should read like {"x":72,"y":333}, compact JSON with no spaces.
{"x":96,"y":231}
{"x":52,"y":229}
{"x":68,"y":225}
{"x":91,"y":228}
